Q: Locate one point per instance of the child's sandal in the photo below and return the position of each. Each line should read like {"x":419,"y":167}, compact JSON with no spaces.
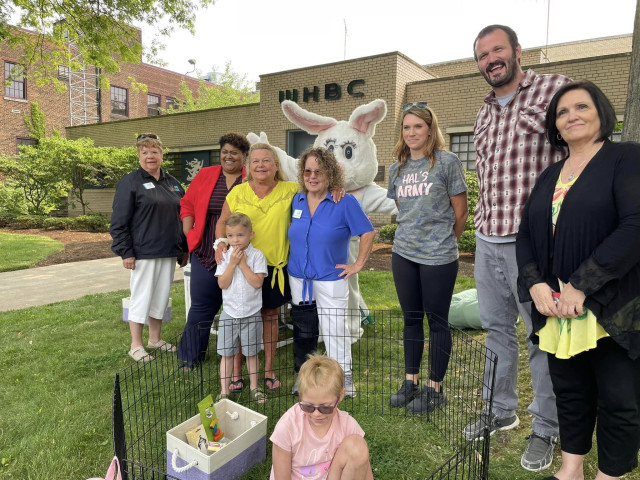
{"x":221,"y":396}
{"x":258,"y":395}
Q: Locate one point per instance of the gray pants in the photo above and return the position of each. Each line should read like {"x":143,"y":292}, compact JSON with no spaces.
{"x":496,"y":274}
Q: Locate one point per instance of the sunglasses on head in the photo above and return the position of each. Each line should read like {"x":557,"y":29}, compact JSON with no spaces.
{"x":419,"y":105}
{"x":142,"y":136}
{"x":323,"y":409}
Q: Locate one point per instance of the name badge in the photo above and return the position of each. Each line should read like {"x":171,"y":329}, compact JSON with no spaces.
{"x":297,"y":213}
{"x":148,"y":185}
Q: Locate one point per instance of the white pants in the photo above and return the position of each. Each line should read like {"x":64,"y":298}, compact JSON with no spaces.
{"x":150,"y":286}
{"x":332,"y":299}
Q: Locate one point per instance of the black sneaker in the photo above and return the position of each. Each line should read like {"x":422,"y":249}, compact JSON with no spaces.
{"x":475,"y":431}
{"x":408,"y":391}
{"x":427,"y":401}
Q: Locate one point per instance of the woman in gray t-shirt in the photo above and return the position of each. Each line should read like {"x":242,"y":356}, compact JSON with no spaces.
{"x":429,"y":187}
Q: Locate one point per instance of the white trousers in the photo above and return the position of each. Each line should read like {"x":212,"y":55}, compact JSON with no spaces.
{"x":332,"y":299}
{"x":150,"y":286}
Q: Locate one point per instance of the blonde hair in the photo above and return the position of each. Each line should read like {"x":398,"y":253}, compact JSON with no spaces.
{"x":327,"y":162}
{"x":149,"y":142}
{"x":401,"y":151}
{"x":279,"y":177}
{"x":320,"y":371}
{"x":238,"y":219}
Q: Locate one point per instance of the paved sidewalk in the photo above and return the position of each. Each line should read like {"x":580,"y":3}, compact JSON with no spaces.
{"x":44,"y":285}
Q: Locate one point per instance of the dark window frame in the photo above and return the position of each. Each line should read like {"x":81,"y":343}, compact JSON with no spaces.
{"x":119,"y":100}
{"x":25,"y":141}
{"x":168,"y":101}
{"x":18,"y":87}
{"x":154,"y":110}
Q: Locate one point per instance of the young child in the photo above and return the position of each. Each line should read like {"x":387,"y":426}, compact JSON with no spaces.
{"x":314,"y":439}
{"x":240,"y":277}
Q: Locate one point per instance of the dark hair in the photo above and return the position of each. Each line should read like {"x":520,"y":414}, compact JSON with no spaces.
{"x":238,"y":140}
{"x":327,"y":161}
{"x":606,"y":113}
{"x":513,"y":37}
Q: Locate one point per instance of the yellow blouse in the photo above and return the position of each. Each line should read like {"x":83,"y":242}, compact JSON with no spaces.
{"x":566,"y":337}
{"x":270,"y":218}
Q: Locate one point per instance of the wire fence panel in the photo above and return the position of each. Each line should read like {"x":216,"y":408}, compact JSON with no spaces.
{"x":153,"y":397}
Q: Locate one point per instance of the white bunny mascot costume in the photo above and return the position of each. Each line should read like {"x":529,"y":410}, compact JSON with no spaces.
{"x":352,"y":144}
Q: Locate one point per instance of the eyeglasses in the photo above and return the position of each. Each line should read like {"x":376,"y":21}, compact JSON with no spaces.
{"x":419,"y":105}
{"x":142,"y":136}
{"x":307,"y":172}
{"x":323,"y":409}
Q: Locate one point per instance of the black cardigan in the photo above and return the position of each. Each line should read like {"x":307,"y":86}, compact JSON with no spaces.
{"x":596,"y":245}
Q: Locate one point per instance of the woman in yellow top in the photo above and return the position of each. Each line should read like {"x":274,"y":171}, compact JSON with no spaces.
{"x":266,"y":199}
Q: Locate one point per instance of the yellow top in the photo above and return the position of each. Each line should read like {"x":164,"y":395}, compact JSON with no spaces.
{"x":270,"y":218}
{"x":566,"y":337}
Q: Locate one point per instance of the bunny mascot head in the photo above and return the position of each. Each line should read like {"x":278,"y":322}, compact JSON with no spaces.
{"x":351,"y":142}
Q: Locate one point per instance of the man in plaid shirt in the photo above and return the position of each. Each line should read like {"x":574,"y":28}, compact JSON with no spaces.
{"x":512,"y":151}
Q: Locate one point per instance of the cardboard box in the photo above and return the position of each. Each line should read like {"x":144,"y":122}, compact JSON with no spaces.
{"x":246,"y":446}
{"x":125,"y":311}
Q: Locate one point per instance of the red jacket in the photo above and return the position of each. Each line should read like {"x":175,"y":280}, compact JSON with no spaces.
{"x":195,"y":203}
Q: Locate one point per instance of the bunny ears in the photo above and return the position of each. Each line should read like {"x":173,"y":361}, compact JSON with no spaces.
{"x":363,"y":119}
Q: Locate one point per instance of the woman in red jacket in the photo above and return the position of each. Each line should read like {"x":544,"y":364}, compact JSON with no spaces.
{"x":199,"y":210}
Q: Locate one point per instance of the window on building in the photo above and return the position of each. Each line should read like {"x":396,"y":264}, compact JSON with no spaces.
{"x":119,"y":101}
{"x":463,"y":146}
{"x":153,"y":104}
{"x":171,"y":102}
{"x":298,"y":141}
{"x":63,"y":73}
{"x":25,"y":141}
{"x":15,"y":83}
{"x":616,"y":137}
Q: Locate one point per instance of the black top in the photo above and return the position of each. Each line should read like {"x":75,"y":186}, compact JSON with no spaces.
{"x":596,"y":245}
{"x":145,"y":222}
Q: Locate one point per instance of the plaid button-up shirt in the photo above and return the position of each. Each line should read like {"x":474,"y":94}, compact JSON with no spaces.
{"x":512,"y":151}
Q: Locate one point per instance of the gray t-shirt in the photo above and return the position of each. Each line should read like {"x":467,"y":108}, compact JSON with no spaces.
{"x":425,"y":215}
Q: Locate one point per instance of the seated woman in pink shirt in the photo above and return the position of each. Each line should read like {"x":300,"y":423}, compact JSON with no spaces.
{"x":313,"y":438}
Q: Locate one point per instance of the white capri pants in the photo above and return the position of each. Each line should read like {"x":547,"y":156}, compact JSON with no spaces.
{"x":332,"y":299}
{"x":150,"y":286}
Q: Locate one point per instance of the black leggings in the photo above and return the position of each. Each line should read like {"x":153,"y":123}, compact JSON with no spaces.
{"x":425,"y":289}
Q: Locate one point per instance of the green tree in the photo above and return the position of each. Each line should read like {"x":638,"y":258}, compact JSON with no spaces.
{"x":231,"y":89}
{"x":101,"y":31}
{"x":39,"y":177}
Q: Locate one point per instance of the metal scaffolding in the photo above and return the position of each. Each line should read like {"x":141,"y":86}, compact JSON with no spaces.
{"x":84,"y":91}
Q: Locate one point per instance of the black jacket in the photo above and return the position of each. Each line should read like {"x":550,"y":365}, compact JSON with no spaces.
{"x":596,"y":245}
{"x":145,"y":222}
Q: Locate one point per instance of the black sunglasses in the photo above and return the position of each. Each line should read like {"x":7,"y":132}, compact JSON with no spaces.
{"x":323,"y":409}
{"x":142,"y":136}
{"x":419,"y":105}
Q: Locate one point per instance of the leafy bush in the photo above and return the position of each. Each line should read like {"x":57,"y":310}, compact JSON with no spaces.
{"x":472,"y":198}
{"x":58,"y":223}
{"x":12,"y":203}
{"x":91,"y":223}
{"x":467,"y":241}
{"x":28,"y":221}
{"x":388,"y":232}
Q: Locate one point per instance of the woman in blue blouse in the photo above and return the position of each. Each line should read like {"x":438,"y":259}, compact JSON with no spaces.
{"x":319,"y":235}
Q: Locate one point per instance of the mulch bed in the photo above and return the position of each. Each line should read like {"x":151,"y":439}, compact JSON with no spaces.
{"x":80,"y":246}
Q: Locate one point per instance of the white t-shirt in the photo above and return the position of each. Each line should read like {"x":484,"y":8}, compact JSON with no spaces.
{"x":241,"y":300}
{"x":311,"y":456}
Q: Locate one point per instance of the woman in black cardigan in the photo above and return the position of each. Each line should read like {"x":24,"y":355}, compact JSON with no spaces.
{"x":578,"y":253}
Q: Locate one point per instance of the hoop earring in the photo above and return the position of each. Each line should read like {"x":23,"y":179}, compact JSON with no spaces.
{"x":558,"y":136}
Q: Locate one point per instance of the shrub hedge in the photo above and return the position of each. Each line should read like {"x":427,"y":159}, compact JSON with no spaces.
{"x":83,"y":223}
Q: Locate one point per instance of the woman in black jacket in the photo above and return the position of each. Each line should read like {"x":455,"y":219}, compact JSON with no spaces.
{"x":578,"y":251}
{"x":147,"y":234}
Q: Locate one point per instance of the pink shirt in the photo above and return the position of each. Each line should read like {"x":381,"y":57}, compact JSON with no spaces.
{"x":311,"y":456}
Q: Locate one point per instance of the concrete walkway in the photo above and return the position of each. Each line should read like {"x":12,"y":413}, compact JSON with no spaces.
{"x":44,"y":285}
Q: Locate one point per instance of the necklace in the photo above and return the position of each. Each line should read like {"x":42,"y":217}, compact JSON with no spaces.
{"x":572,"y":173}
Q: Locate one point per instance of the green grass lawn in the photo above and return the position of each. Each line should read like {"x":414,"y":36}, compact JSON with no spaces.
{"x":18,"y":252}
{"x":59,"y":362}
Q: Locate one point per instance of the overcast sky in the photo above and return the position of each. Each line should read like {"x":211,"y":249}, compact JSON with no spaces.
{"x":267,"y":36}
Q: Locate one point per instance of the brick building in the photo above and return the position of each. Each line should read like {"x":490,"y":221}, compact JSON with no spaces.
{"x":121,"y":101}
{"x":455,"y":90}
